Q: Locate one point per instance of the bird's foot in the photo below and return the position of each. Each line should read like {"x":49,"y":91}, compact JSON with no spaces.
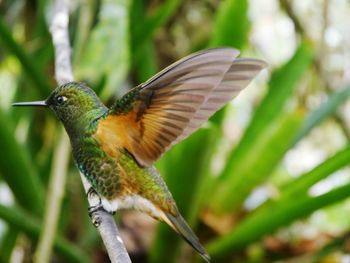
{"x":95,"y":218}
{"x":91,"y":193}
{"x":95,"y":205}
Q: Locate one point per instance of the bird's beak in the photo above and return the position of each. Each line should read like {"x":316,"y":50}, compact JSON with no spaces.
{"x":39,"y":103}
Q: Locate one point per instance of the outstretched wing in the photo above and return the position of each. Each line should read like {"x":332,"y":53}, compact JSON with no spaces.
{"x":167,"y":108}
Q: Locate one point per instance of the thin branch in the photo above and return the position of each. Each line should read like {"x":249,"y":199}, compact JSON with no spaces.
{"x":60,"y":39}
{"x":107,"y":227}
{"x":286,"y":6}
{"x":103,"y":220}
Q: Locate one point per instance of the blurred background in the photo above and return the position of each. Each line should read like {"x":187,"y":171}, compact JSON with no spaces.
{"x":266,"y":180}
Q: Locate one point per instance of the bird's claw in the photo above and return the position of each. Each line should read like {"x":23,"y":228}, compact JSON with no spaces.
{"x":95,"y":218}
{"x":94,"y":208}
{"x":91,"y":193}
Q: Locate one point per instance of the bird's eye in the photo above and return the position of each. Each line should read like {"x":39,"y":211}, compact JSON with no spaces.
{"x":61,"y":99}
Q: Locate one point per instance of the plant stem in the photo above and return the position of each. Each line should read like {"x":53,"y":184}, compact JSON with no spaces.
{"x":54,"y":200}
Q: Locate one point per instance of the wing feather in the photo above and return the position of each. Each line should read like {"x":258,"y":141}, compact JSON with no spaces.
{"x":177,"y":101}
{"x":238,"y":76}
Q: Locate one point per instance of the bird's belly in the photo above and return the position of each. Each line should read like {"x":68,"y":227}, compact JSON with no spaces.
{"x":136,"y":202}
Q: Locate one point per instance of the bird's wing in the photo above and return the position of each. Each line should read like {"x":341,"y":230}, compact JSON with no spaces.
{"x":167,"y":108}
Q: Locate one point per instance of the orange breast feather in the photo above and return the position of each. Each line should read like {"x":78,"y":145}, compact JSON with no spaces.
{"x":114,"y":132}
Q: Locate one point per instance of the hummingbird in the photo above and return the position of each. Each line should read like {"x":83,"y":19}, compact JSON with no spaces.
{"x":115,"y":148}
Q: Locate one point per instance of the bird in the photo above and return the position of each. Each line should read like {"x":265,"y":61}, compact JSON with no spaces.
{"x":115,"y":148}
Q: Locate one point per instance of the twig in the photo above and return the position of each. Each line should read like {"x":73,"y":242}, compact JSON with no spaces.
{"x":103,"y":220}
{"x":54,"y":200}
{"x":286,"y":6}
{"x":60,"y":39}
{"x":107,"y":227}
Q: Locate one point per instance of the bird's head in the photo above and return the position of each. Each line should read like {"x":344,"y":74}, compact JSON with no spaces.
{"x":75,"y":104}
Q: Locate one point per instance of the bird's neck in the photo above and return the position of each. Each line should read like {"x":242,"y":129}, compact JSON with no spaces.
{"x":84,"y":126}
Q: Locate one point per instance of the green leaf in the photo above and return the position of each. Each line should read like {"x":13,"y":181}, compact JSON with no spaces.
{"x":83,"y":28}
{"x":144,"y":31}
{"x":268,"y":220}
{"x":334,"y":245}
{"x":301,"y":185}
{"x":17,"y":171}
{"x":282,"y":84}
{"x":28,"y":63}
{"x":281,"y":87}
{"x":143,"y":52}
{"x":231,"y":24}
{"x":24,"y":222}
{"x":256,"y":165}
{"x":7,"y":243}
{"x":107,"y":52}
{"x":145,"y":63}
{"x":325,"y":110}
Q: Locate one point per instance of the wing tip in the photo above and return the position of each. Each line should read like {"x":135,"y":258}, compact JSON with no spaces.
{"x":258,"y":62}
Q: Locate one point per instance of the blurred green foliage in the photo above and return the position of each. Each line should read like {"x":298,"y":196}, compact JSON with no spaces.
{"x":117,"y":44}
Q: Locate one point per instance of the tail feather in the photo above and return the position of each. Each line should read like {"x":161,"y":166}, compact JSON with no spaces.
{"x":179,"y":224}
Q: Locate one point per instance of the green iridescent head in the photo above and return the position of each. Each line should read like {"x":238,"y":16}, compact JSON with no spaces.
{"x":75,"y":104}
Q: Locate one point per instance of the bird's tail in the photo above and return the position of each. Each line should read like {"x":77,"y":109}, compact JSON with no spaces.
{"x":179,"y":224}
